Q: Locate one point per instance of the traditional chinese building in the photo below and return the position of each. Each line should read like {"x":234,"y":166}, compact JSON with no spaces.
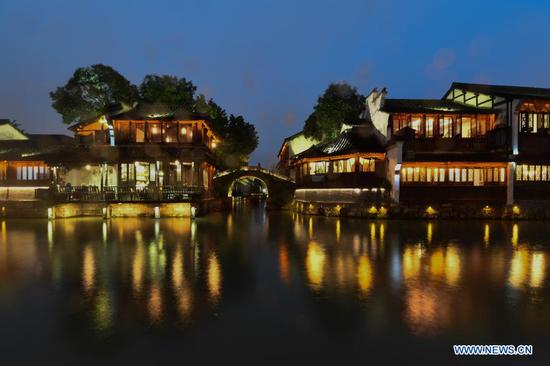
{"x":479,"y":144}
{"x":349,"y":168}
{"x":133,"y":156}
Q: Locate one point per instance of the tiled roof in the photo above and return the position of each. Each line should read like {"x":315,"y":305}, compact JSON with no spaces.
{"x":505,"y":91}
{"x":428,"y":106}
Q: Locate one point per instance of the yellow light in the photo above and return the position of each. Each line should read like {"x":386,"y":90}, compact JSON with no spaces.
{"x":214,"y":144}
{"x":430,"y":233}
{"x":452,"y":265}
{"x":516,"y":210}
{"x":88,"y":269}
{"x":538,"y":269}
{"x":430,"y":211}
{"x":88,"y":167}
{"x":518,"y":268}
{"x":364,"y":275}
{"x":486,"y":235}
{"x":338,"y":230}
{"x":214,"y":277}
{"x":315,"y":265}
{"x":515,"y":235}
{"x":373,"y":210}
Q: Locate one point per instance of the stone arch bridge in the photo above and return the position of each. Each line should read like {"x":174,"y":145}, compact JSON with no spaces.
{"x":280,"y":189}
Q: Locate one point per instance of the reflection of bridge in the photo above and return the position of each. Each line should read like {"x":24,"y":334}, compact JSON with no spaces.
{"x":280,"y":188}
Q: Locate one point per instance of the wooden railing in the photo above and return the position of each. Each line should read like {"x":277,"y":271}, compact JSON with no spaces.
{"x":125,"y":194}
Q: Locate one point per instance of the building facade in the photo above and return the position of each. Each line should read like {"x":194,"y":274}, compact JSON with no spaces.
{"x":133,"y":156}
{"x":482,"y":144}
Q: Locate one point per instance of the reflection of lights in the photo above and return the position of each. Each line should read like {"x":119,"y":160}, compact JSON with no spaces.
{"x":437,"y":263}
{"x":382,"y":233}
{"x":338,"y":230}
{"x":137,"y":266}
{"x":181,"y":287}
{"x":5,"y":232}
{"x":315,"y":265}
{"x":154,"y":304}
{"x":515,"y":235}
{"x":104,"y":231}
{"x":88,"y":269}
{"x":425,"y":311}
{"x":411,"y":262}
{"x":284,"y":268}
{"x":452,"y":265}
{"x":518,"y":268}
{"x":486,"y":235}
{"x":372,"y":233}
{"x":430,"y":233}
{"x":214,"y":277}
{"x":364,"y":275}
{"x":310,"y":228}
{"x":50,"y":233}
{"x":538,"y":269}
{"x":103,"y":311}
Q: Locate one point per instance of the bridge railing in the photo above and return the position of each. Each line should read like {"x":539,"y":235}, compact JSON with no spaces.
{"x":125,"y":194}
{"x":253,"y":169}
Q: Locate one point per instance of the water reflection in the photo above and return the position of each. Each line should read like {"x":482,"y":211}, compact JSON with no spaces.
{"x":423,"y":279}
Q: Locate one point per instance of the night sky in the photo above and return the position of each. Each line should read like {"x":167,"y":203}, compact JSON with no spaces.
{"x":269,"y":60}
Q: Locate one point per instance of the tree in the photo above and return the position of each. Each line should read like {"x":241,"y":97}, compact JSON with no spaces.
{"x":239,"y":138}
{"x":216,"y":114}
{"x":340,"y":103}
{"x":168,"y":90}
{"x":90,"y":92}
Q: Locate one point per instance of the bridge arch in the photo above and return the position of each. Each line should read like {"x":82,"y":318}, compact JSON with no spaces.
{"x":280,"y":189}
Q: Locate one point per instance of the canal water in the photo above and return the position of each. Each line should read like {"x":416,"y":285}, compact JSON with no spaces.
{"x":270,"y":288}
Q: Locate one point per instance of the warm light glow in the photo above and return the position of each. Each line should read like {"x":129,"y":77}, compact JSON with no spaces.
{"x":310,"y":228}
{"x":137,"y":265}
{"x":429,"y":233}
{"x":315,"y":265}
{"x":516,"y":210}
{"x":430,"y":211}
{"x":452,"y":265}
{"x":364,"y":275}
{"x":538,"y":269}
{"x":411,"y":262}
{"x":486,"y":235}
{"x":338,"y":230}
{"x":373,"y":210}
{"x":154,"y":304}
{"x":284,"y":266}
{"x":88,"y":269}
{"x":437,"y":263}
{"x":103,"y":311}
{"x":515,"y":235}
{"x":214,"y":278}
{"x":518,"y":268}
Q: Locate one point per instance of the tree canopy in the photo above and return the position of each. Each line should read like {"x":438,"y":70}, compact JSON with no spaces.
{"x":90,"y":92}
{"x":239,"y":138}
{"x":93,"y":90}
{"x":340,"y":103}
{"x":169,"y":90}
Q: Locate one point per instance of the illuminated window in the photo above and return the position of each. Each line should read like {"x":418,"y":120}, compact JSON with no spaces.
{"x":446,"y":127}
{"x":3,"y":170}
{"x":465,"y":131}
{"x":318,"y":167}
{"x":33,"y":171}
{"x":415,"y":124}
{"x":367,"y":165}
{"x":430,"y":126}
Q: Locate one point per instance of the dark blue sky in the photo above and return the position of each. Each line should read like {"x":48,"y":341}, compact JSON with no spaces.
{"x":269,"y":60}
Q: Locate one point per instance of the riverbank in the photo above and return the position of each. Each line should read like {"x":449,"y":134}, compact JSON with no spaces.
{"x":519,"y":211}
